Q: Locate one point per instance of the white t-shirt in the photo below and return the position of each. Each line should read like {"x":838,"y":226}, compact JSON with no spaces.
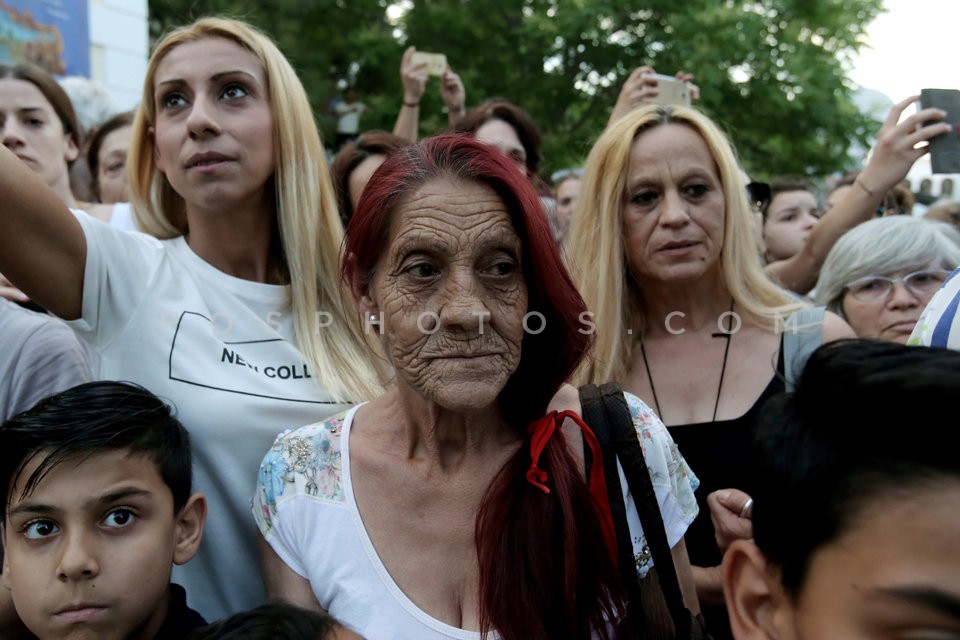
{"x":122,"y":217}
{"x":40,"y":356}
{"x":307,"y":512}
{"x":221,"y":350}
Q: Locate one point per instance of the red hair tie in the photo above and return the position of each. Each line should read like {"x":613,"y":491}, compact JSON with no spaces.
{"x":541,"y":431}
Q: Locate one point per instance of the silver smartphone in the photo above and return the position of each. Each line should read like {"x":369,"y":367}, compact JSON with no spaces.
{"x":671,"y":91}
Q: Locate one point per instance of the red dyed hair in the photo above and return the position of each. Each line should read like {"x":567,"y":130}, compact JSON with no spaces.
{"x":545,"y":571}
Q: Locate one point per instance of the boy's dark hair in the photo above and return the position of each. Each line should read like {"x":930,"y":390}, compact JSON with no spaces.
{"x":269,"y":621}
{"x":93,"y":418}
{"x":785,"y":185}
{"x":858,"y":425}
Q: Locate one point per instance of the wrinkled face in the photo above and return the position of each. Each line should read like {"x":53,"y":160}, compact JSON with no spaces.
{"x":894,"y":575}
{"x":891,"y":318}
{"x":790,"y":218}
{"x":567,"y":193}
{"x":33,"y":131}
{"x":214,"y":128}
{"x":503,"y":136}
{"x":112,"y":165}
{"x":89,"y":551}
{"x":360,"y":176}
{"x":674,"y":209}
{"x":451,"y":294}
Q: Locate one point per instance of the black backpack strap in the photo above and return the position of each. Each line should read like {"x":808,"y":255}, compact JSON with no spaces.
{"x":628,"y":450}
{"x":594,"y":413}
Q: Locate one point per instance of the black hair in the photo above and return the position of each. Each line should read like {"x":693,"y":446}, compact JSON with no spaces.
{"x":92,"y":418}
{"x":271,"y":620}
{"x":859,"y":424}
{"x":785,"y":185}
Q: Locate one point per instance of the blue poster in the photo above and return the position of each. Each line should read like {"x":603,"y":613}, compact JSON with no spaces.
{"x":53,"y":34}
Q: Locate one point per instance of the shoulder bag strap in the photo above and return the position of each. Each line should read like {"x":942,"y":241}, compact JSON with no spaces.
{"x":648,"y":508}
{"x":592,"y":411}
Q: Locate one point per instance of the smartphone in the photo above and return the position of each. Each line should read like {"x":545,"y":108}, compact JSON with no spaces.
{"x":945,"y":149}
{"x":671,"y":91}
{"x":436,"y":62}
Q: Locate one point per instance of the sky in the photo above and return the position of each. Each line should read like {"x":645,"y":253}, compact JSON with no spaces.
{"x":912,"y":46}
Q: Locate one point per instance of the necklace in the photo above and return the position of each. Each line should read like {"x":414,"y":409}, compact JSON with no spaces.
{"x":723,"y":369}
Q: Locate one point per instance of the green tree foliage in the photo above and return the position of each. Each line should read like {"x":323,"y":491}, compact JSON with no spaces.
{"x":772,"y":72}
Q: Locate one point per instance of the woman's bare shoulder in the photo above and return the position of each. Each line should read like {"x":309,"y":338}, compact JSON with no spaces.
{"x":835,"y":328}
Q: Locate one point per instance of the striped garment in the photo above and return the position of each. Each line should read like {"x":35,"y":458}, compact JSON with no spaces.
{"x":939,"y":325}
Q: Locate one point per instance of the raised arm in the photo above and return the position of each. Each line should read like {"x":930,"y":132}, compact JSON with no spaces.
{"x":42,"y":246}
{"x":414,"y":79}
{"x":454,"y":96}
{"x":889,"y":163}
{"x":640,"y":88}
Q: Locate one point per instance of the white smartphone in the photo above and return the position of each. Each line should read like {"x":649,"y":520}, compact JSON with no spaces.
{"x":436,"y":62}
{"x":671,"y":91}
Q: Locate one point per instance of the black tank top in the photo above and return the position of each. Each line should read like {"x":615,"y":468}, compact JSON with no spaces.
{"x":718,"y":453}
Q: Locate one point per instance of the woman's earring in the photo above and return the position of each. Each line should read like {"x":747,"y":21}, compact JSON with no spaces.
{"x":374,"y":321}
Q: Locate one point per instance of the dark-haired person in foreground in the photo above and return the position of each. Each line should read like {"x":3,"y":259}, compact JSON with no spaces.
{"x":275,"y":620}
{"x":855,"y":514}
{"x":96,"y":482}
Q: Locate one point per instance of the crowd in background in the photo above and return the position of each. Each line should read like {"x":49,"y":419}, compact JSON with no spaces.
{"x":341,"y":336}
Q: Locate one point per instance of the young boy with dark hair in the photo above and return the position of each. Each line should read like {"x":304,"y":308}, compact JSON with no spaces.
{"x":856,"y":531}
{"x":96,"y":482}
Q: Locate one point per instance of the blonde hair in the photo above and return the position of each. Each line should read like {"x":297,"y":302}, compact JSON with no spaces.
{"x":597,"y":255}
{"x":306,"y":210}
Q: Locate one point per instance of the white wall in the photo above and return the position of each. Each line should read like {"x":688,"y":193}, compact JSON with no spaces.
{"x":119,"y":47}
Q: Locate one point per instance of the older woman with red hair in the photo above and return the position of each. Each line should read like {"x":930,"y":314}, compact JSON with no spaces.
{"x":457,"y":503}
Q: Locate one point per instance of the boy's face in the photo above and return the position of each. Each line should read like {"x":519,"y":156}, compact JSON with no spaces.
{"x":893,"y":574}
{"x":89,"y":551}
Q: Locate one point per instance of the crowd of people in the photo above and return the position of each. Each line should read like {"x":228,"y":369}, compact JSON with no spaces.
{"x":253,"y":392}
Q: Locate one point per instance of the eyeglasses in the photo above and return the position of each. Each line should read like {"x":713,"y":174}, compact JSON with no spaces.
{"x":557,"y":176}
{"x":878,"y":288}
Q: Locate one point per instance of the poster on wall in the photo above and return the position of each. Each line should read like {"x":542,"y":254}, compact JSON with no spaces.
{"x":53,"y":34}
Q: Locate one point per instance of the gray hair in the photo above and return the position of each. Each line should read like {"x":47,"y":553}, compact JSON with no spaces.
{"x":883,"y":246}
{"x":91,"y":100}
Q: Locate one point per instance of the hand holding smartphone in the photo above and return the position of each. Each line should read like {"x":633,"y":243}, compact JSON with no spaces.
{"x":671,"y":91}
{"x":944,"y":149}
{"x":436,"y":62}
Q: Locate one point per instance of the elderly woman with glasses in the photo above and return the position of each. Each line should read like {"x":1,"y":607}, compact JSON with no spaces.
{"x":881,"y":274}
